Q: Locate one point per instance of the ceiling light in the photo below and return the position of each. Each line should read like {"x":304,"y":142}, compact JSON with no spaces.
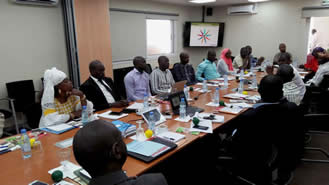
{"x":257,"y":1}
{"x":202,"y":1}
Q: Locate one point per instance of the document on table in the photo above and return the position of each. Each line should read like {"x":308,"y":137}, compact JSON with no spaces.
{"x":146,"y":148}
{"x":233,"y":110}
{"x":185,"y":120}
{"x":217,"y":118}
{"x":136,"y":106}
{"x":108,"y":116}
{"x":171,"y":136}
{"x":68,"y":171}
{"x":59,"y":127}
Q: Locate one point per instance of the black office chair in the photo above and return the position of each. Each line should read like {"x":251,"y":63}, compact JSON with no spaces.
{"x":119,"y":75}
{"x":316,"y":116}
{"x":23,"y":95}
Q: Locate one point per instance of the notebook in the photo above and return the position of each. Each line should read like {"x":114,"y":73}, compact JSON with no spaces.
{"x":126,"y":129}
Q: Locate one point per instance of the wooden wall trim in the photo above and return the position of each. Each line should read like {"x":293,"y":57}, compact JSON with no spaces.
{"x":92,"y":19}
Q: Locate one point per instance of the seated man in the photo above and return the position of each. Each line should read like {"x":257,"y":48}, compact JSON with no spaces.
{"x":283,"y":49}
{"x":271,"y":123}
{"x":184,"y":70}
{"x":137,"y":81}
{"x":208,"y":68}
{"x":99,"y":89}
{"x":323,"y":59}
{"x":242,"y":62}
{"x":290,"y":89}
{"x":161,"y":78}
{"x":99,"y":148}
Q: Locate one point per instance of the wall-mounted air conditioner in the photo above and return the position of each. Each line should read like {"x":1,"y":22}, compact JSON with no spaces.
{"x":37,"y":2}
{"x":242,"y":10}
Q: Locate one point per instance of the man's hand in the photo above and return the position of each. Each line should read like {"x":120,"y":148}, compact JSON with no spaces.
{"x":269,"y":70}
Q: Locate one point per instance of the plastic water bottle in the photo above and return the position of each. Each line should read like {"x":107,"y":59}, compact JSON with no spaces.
{"x":186,"y":92}
{"x":204,"y":86}
{"x":182,"y":109}
{"x":84,"y":115}
{"x":225,"y":82}
{"x":240,"y":89}
{"x":241,"y":74}
{"x":25,"y":145}
{"x":146,"y":101}
{"x":254,"y":81}
{"x":152,"y":123}
{"x":216,"y":96}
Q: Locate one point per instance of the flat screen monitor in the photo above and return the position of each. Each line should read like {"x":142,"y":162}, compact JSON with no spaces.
{"x":207,"y":34}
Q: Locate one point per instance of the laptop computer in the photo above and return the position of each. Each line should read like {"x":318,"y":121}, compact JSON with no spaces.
{"x":175,"y":99}
{"x":177,"y":87}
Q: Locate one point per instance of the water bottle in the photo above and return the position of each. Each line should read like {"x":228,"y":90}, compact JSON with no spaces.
{"x":204,"y":86}
{"x":216,"y":96}
{"x":152,"y":123}
{"x":252,"y":66}
{"x":182,"y":109}
{"x":254,"y":81}
{"x":241,"y":74}
{"x":25,"y":145}
{"x":240,"y":89}
{"x":84,"y":115}
{"x":146,"y":101}
{"x":186,"y":92}
{"x":225,"y":82}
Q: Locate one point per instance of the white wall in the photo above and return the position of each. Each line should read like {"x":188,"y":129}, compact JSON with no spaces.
{"x":32,"y":39}
{"x":275,"y":22}
{"x":321,"y":24}
{"x":185,"y":14}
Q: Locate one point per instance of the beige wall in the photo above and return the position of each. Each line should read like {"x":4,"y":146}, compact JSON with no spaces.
{"x":32,"y":39}
{"x":275,"y":22}
{"x":321,"y":24}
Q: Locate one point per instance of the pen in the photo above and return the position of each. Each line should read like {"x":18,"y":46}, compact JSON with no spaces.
{"x":172,"y":139}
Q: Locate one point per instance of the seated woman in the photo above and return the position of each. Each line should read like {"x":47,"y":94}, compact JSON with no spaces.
{"x":224,"y":66}
{"x":60,"y":102}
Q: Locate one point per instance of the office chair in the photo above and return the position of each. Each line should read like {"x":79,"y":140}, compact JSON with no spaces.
{"x":119,"y":75}
{"x":316,"y":116}
{"x":23,"y":95}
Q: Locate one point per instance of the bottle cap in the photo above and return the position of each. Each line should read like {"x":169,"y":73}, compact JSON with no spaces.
{"x":84,"y":107}
{"x":182,"y":99}
{"x":145,"y":94}
{"x":185,"y":86}
{"x":23,"y":131}
{"x":151,"y":113}
{"x":217,"y":88}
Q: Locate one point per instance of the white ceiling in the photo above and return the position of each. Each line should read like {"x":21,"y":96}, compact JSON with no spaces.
{"x":217,"y":3}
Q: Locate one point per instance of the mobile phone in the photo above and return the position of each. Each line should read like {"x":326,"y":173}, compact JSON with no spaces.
{"x":38,"y":183}
{"x":115,"y":113}
{"x":200,"y":127}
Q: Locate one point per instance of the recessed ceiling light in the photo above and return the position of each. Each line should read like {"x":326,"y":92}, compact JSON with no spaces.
{"x":256,"y":1}
{"x":202,"y":1}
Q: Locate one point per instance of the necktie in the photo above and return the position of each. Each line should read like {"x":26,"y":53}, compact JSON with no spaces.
{"x":106,"y":87}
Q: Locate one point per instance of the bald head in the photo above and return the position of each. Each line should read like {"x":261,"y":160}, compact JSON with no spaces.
{"x":97,"y":69}
{"x":139,"y":63}
{"x":244,"y":52}
{"x":286,"y":73}
{"x":211,"y":55}
{"x":285,"y":58}
{"x":184,"y":58}
{"x":163,"y":63}
{"x":270,"y":88}
{"x":99,"y":148}
{"x":282,"y":48}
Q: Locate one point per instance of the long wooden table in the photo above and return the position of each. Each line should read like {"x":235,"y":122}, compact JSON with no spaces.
{"x":16,"y":171}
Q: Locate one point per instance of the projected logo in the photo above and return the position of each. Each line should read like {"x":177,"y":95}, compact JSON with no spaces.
{"x":204,"y":36}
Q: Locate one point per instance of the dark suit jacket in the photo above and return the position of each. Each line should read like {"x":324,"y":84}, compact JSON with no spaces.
{"x":120,"y":178}
{"x":95,"y":94}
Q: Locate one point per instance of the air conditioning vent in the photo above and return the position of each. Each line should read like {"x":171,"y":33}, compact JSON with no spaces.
{"x":37,"y":2}
{"x":242,"y":10}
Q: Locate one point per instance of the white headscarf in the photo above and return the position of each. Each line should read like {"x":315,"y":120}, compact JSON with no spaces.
{"x":52,"y":77}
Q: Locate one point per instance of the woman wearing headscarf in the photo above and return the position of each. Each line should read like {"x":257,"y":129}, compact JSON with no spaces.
{"x":224,"y":66}
{"x":60,"y":102}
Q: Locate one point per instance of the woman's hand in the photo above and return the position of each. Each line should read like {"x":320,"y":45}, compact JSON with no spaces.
{"x":77,"y":92}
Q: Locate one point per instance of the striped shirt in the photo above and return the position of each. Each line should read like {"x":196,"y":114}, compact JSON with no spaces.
{"x":161,"y":81}
{"x":299,"y":82}
{"x":291,"y":92}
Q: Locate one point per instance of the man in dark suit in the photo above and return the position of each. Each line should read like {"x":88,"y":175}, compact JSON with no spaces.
{"x":99,"y":148}
{"x":99,"y":89}
{"x":273,"y":122}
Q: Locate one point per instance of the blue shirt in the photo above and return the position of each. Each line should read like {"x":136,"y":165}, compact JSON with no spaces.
{"x":137,"y":85}
{"x":209,"y":70}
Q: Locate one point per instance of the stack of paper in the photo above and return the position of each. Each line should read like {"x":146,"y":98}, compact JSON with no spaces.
{"x":125,"y":128}
{"x":230,"y":110}
{"x":58,"y":129}
{"x":236,"y":96}
{"x":171,"y":136}
{"x":108,"y":116}
{"x":147,"y":148}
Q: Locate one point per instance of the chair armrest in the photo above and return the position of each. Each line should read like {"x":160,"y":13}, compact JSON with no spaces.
{"x":6,"y":99}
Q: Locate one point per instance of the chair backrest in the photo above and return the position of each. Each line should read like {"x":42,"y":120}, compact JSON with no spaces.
{"x":22,"y":92}
{"x":148,"y":68}
{"x":325,"y":82}
{"x":119,"y":75}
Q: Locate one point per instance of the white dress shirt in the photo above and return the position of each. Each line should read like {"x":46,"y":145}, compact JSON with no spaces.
{"x":107,"y":94}
{"x":299,"y":82}
{"x":318,"y":77}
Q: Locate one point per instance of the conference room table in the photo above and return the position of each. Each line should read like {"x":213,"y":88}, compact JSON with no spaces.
{"x":18,"y":171}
